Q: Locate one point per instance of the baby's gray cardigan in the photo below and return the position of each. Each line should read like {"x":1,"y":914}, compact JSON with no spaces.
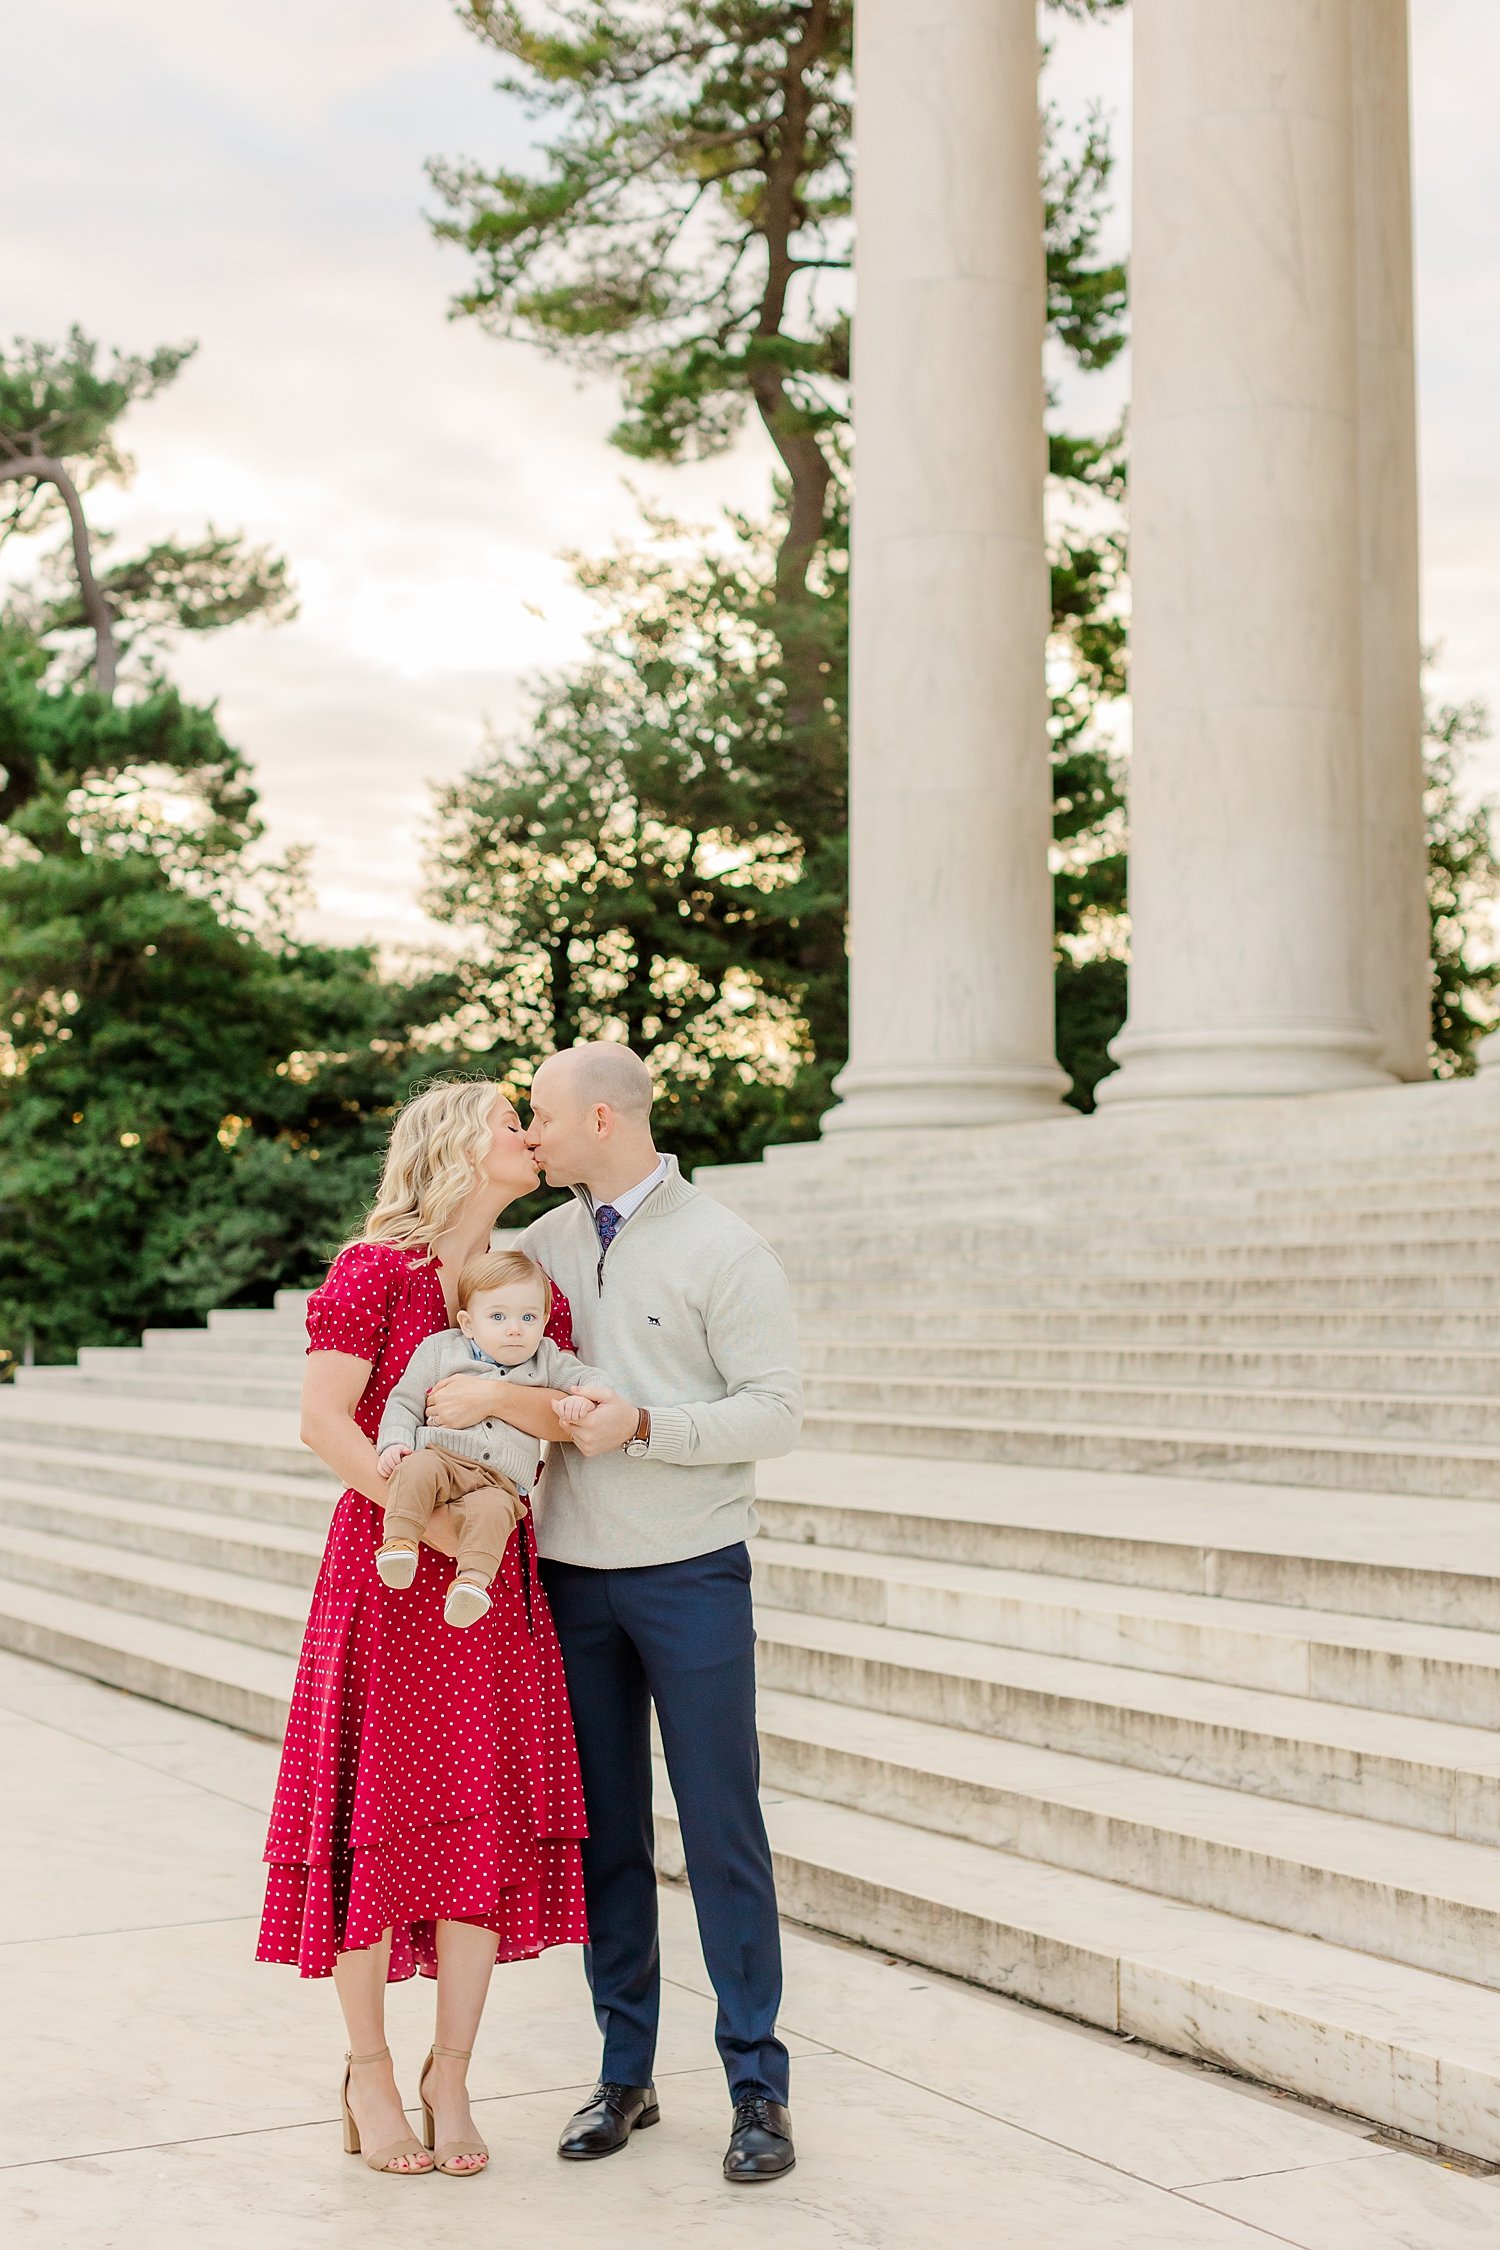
{"x":689,"y":1310}
{"x":510,"y":1453}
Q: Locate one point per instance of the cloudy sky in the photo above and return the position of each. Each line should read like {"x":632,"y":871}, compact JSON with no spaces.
{"x":252,"y":178}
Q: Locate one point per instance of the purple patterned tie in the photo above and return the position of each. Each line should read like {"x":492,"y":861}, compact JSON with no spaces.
{"x":608,"y":1221}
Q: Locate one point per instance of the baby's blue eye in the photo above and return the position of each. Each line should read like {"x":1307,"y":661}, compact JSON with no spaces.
{"x":531,"y":1316}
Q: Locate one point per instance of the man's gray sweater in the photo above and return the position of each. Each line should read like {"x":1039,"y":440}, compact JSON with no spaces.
{"x":689,"y":1312}
{"x":509,"y":1452}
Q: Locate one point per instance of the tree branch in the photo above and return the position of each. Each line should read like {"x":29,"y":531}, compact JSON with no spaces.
{"x":46,"y":470}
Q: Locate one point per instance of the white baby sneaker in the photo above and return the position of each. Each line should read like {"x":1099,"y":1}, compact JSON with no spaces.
{"x":466,"y":1602}
{"x":396,"y":1564}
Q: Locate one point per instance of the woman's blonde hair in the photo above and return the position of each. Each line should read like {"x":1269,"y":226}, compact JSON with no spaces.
{"x":437,"y":1150}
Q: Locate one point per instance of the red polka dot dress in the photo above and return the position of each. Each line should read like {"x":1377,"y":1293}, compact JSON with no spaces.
{"x":427,"y":1774}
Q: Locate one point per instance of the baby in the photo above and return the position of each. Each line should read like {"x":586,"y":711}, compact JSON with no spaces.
{"x":479,"y":1477}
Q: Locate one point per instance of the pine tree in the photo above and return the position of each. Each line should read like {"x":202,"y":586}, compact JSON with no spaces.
{"x":686,"y":228}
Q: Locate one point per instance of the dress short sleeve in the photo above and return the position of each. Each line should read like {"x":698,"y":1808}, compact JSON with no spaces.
{"x":352,"y":1310}
{"x":560,"y":1321}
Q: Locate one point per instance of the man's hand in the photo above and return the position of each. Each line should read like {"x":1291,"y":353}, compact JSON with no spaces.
{"x":459,"y":1402}
{"x":609,"y":1423}
{"x":388,"y":1458}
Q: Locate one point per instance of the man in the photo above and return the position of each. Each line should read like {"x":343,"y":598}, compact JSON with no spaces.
{"x":642,"y":1527}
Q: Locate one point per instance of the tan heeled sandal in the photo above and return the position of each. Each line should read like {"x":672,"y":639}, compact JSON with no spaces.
{"x":379,"y":2159}
{"x":443,"y":2157}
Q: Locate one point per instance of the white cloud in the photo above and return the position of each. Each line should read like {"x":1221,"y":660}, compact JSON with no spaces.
{"x":254,"y":179}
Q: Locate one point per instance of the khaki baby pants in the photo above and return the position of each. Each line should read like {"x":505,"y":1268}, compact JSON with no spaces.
{"x":456,"y":1505}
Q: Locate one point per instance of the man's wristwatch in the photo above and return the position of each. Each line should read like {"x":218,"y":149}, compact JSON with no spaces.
{"x":641,"y":1442}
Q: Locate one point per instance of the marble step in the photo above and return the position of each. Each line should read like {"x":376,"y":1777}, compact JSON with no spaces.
{"x":262,"y":1441}
{"x":1199,"y":1366}
{"x":83,"y":1467}
{"x":1360,"y":1554}
{"x":256,"y":1369}
{"x":1441,"y":1417}
{"x":1429,"y":1901}
{"x":1274,"y":1455}
{"x":1189,"y":1208}
{"x":1436,"y":1418}
{"x":1422,"y":1670}
{"x":829,"y":1285}
{"x":1322,"y":1391}
{"x":946,"y":1193}
{"x":1423,"y":1119}
{"x":1084,"y":1324}
{"x":1394,"y":1464}
{"x":1431,"y":1328}
{"x":973,"y":1263}
{"x":166,"y":1662}
{"x":1420,"y":1773}
{"x":1026,"y":1247}
{"x":242,"y":1325}
{"x":223,"y":1604}
{"x":1407,"y":2047}
{"x":136,"y":1376}
{"x":1415,"y":1773}
{"x":243,"y":1545}
{"x":1416,"y":2052}
{"x":1376,"y":1664}
{"x":275,"y":1337}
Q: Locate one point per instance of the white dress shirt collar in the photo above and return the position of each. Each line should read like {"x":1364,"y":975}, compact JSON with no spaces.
{"x":633,"y":1198}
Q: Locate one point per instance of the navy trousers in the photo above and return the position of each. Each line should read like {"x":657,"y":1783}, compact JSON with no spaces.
{"x":678,"y":1635}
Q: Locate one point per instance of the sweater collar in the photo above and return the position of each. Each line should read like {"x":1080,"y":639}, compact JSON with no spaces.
{"x":669,"y":1195}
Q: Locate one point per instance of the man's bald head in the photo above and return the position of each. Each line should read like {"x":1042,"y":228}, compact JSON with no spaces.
{"x":599,"y":1071}
{"x":591,"y":1117}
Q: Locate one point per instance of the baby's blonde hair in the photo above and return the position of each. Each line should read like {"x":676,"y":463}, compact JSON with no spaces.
{"x":502,"y":1269}
{"x":436,"y":1152}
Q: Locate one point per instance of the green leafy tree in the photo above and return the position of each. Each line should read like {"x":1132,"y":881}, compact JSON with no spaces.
{"x":189,"y":1111}
{"x":190,"y":1099}
{"x":60,"y":412}
{"x":654,"y":861}
{"x":1463,"y":883}
{"x":687,"y":228}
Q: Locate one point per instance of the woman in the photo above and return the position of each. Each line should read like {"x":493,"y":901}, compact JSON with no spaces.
{"x":428,"y":1810}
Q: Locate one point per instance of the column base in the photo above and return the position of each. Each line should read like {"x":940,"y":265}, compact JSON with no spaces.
{"x":1191,"y":1066}
{"x":893,"y":1099}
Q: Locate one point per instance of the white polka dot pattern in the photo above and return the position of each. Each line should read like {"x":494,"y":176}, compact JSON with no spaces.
{"x":426,"y":1774}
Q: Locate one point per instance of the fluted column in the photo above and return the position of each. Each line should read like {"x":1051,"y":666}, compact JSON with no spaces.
{"x":1247,"y":863}
{"x":951,"y":910}
{"x":1397,"y":937}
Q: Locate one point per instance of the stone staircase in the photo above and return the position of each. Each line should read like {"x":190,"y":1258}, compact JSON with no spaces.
{"x":1129,"y":1622}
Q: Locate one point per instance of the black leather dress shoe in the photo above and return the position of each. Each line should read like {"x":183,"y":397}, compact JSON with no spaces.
{"x":607,"y":2120}
{"x":760,"y":2141}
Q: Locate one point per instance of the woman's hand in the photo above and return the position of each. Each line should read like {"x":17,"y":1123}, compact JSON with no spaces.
{"x":458,"y":1402}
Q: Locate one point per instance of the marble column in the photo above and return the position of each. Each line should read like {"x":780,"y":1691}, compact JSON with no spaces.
{"x":951,"y":910}
{"x":1247,"y":861}
{"x":1397,"y":937}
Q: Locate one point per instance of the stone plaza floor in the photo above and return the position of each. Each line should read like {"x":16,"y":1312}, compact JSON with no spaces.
{"x":161,"y":2088}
